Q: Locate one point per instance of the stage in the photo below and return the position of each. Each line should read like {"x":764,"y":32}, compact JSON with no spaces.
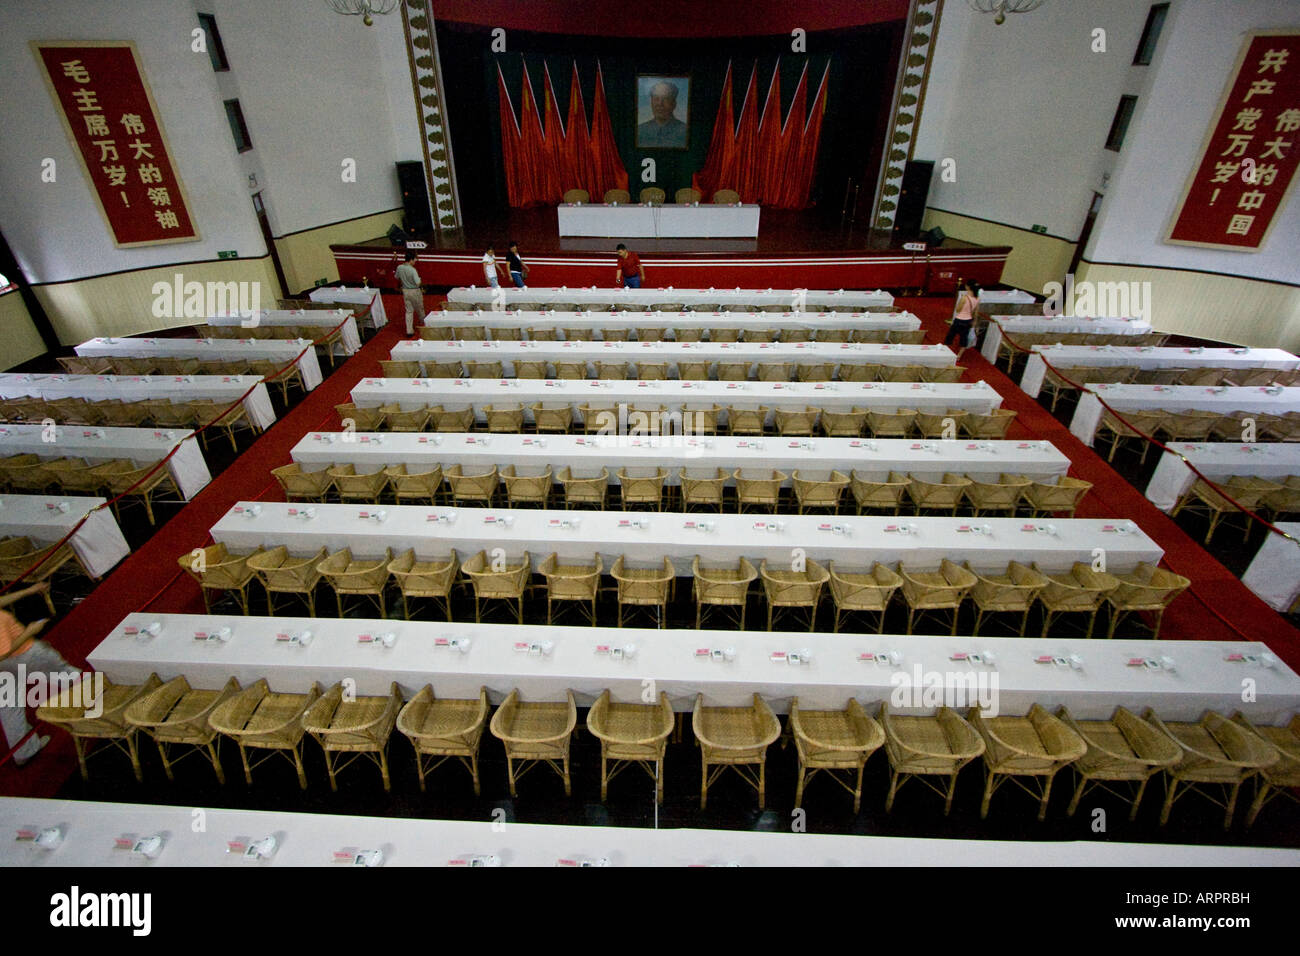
{"x":807,"y":249}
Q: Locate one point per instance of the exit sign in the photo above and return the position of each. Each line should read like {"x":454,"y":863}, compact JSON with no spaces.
{"x":1036,"y":228}
{"x":228,"y":254}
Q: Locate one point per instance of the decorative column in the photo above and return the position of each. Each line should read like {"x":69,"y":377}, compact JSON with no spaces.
{"x":909,"y":98}
{"x":435,"y":135}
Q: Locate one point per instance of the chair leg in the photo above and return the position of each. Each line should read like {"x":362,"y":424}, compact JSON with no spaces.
{"x":473,"y":769}
{"x":989,"y":780}
{"x":215,"y":757}
{"x":1078,"y":795}
{"x":133,"y":747}
{"x":510,"y":772}
{"x":383,"y":769}
{"x":704,"y":783}
{"x":1232,"y":805}
{"x":297,"y":763}
{"x":1137,"y":800}
{"x":1262,"y":790}
{"x":1171,"y":791}
{"x":798,"y":789}
{"x":248,"y":771}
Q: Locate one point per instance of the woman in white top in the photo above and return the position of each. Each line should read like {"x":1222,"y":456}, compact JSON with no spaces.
{"x":964,"y":318}
{"x":491,"y":271}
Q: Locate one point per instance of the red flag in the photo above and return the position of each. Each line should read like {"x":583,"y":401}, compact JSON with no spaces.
{"x":607,"y":166}
{"x":791,"y":140}
{"x":767,"y":163}
{"x":801,"y":174}
{"x":747,"y":141}
{"x":554,"y":128}
{"x":720,"y":164}
{"x":516,"y":193}
{"x":532,"y":148}
{"x":577,"y":142}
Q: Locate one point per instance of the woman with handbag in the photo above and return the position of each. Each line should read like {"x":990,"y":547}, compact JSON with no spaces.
{"x":963,"y":320}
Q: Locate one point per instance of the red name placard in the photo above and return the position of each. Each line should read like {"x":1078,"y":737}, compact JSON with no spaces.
{"x":1248,"y":162}
{"x":110,"y":116}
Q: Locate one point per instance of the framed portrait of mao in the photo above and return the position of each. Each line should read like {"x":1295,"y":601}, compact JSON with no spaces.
{"x":663,"y":111}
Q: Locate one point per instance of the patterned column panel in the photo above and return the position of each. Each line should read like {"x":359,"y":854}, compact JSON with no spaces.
{"x":426,"y":81}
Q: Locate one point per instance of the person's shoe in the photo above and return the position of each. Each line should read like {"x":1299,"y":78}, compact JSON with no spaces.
{"x":41,"y":741}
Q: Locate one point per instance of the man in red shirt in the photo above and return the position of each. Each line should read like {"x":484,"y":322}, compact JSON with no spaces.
{"x":630,"y":270}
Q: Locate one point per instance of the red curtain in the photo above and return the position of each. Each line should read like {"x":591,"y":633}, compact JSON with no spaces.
{"x":606,"y":163}
{"x":780,"y":192}
{"x":801,"y":172}
{"x":554,"y":129}
{"x":532,"y":148}
{"x":721,"y":162}
{"x":517,"y":193}
{"x":767,"y":171}
{"x":577,"y":142}
{"x":747,"y":142}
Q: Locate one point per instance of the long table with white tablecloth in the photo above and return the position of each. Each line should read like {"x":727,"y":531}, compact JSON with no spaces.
{"x":794,"y":353}
{"x":1274,"y":574}
{"x":223,"y":389}
{"x":1218,"y":461}
{"x":321,"y":320}
{"x":1224,"y":399}
{"x":646,"y":538}
{"x":668,"y":322}
{"x":362,"y":298}
{"x":1103,"y":356}
{"x":142,"y":446}
{"x":871,"y":459}
{"x":45,"y":519}
{"x":977,"y":397}
{"x":1064,"y":325}
{"x":1195,"y":678}
{"x":840,"y":299}
{"x":630,"y":221}
{"x":212,"y":350}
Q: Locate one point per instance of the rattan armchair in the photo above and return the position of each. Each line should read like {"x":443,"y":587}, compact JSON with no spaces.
{"x":484,"y":369}
{"x":747,"y":421}
{"x":642,"y":491}
{"x":860,"y":371}
{"x":256,"y":718}
{"x":102,"y":719}
{"x":794,"y":590}
{"x":933,"y":592}
{"x":507,"y":419}
{"x":355,"y":726}
{"x":879,"y":495}
{"x":1028,"y":751}
{"x":498,"y":581}
{"x":945,"y":495}
{"x":644,"y":588}
{"x":598,"y":418}
{"x":216,"y":569}
{"x":282,"y":574}
{"x":895,"y":424}
{"x":1134,"y":427}
{"x":535,"y":732}
{"x":529,"y":488}
{"x":147,"y":483}
{"x":1280,"y":778}
{"x":1081,"y":590}
{"x":1063,"y":497}
{"x":451,"y":419}
{"x":997,"y":497}
{"x":1125,"y":749}
{"x":586,"y":492}
{"x":576,"y":583}
{"x":479,"y":488}
{"x":758,"y":489}
{"x":299,"y":485}
{"x":547,"y":417}
{"x":700,"y":491}
{"x":366,"y":579}
{"x":394,"y":368}
{"x":1012,"y":592}
{"x":1246,"y":491}
{"x":425,"y":580}
{"x":726,"y":588}
{"x":843,"y":424}
{"x":352,"y":487}
{"x":176,"y":715}
{"x":990,"y":426}
{"x":631,"y":734}
{"x":399,"y":419}
{"x":832,"y":741}
{"x":819,"y":494}
{"x":20,"y":559}
{"x":362,"y":419}
{"x":735,"y":737}
{"x":862,"y":592}
{"x":417,"y":487}
{"x":442,"y":729}
{"x":1146,"y":588}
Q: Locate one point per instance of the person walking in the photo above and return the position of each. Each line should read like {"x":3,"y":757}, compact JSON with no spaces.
{"x":408,"y":277}
{"x":19,"y":647}
{"x":518,"y":271}
{"x":491,"y":269}
{"x":963,"y":320}
{"x":630,"y":271}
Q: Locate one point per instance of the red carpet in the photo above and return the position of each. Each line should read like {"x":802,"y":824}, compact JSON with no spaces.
{"x":1216,"y":607}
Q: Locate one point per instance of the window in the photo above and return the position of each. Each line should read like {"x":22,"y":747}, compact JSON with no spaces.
{"x":238,"y":129}
{"x":1119,"y":127}
{"x":1151,"y":35}
{"x":216,"y":51}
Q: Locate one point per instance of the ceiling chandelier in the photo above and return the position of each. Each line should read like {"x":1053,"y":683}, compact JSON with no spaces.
{"x":362,"y":8}
{"x":1002,"y":7}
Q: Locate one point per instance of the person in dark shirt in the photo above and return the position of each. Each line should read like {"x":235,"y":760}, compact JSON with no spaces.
{"x":518,"y":271}
{"x":630,"y":271}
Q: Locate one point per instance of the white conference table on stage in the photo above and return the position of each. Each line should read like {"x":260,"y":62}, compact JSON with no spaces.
{"x":846,"y":301}
{"x":299,"y":351}
{"x":96,"y":444}
{"x":794,"y":353}
{"x":1178,"y":398}
{"x":871,"y":459}
{"x":1274,"y":574}
{"x":45,"y":519}
{"x":92,"y":830}
{"x":1218,"y":461}
{"x":376,"y":316}
{"x":222,"y":389}
{"x":322,"y":320}
{"x":646,"y":538}
{"x":1106,"y":356}
{"x":596,"y":322}
{"x":1063,"y":325}
{"x":977,"y":397}
{"x":663,"y":221}
{"x":1197,"y":679}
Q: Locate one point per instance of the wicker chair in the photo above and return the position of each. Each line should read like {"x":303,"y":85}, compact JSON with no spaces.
{"x":721,"y":588}
{"x":879,"y":495}
{"x":759,"y":490}
{"x":991,"y":426}
{"x":1248,"y":492}
{"x":860,"y":372}
{"x":700,"y":492}
{"x":472,"y":489}
{"x":359,"y":726}
{"x":945,"y":495}
{"x":299,"y":485}
{"x":789,"y":421}
{"x":747,"y":421}
{"x":921,"y":747}
{"x":574,"y":370}
{"x":390,"y":368}
{"x":1139,"y":424}
{"x":833,"y":741}
{"x":794,"y":590}
{"x":649,"y":371}
{"x":1125,"y":749}
{"x":255,"y":718}
{"x":552,"y":418}
{"x":644,"y":588}
{"x":1190,"y":425}
{"x":505,"y":419}
{"x":819,"y":494}
{"x":942,"y":425}
{"x":843,"y":424}
{"x":431,"y":580}
{"x":1145,"y":588}
{"x":1281,"y":778}
{"x":469,"y":333}
{"x":1036,"y":746}
{"x":946,"y":373}
{"x":688,"y":371}
{"x":1013,"y":592}
{"x":895,"y":424}
{"x":902,"y":373}
{"x":440,"y":729}
{"x":352,"y":487}
{"x":576,"y":196}
{"x":866,"y":592}
{"x":419,"y":487}
{"x":1081,"y":590}
{"x":1061,"y":498}
{"x":725,"y":197}
{"x":490,"y":583}
{"x":282,"y":574}
{"x":631,"y":734}
{"x":125,"y":480}
{"x":398,"y":419}
{"x":585,"y":492}
{"x":69,"y":711}
{"x":578,"y":583}
{"x":700,"y":419}
{"x":774,"y":371}
{"x":1215,"y":751}
{"x":814,"y":371}
{"x":536,"y":732}
{"x":598,"y":418}
{"x":531,"y":488}
{"x":451,"y":419}
{"x":20,"y":559}
{"x":216,"y":569}
{"x":642,"y":491}
{"x":362,"y":419}
{"x":735,"y":737}
{"x":997,"y":497}
{"x":931,"y":592}
{"x":176,"y":715}
{"x":367,"y":578}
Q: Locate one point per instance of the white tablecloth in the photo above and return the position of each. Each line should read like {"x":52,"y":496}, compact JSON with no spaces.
{"x":629,"y":221}
{"x":871,"y":458}
{"x":354,"y":296}
{"x":311,"y":839}
{"x":1179,"y":398}
{"x":223,"y":389}
{"x":1274,"y":575}
{"x":1065,"y":325}
{"x":845,"y":301}
{"x":679,"y":537}
{"x":1201,"y":678}
{"x":978,"y":397}
{"x":1218,"y":461}
{"x":212,"y":350}
{"x":143,"y":446}
{"x":1065,"y":356}
{"x":99,"y":543}
{"x":324,"y":320}
{"x":596,"y":321}
{"x":794,"y":353}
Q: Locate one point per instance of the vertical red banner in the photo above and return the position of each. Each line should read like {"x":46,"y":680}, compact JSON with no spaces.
{"x":109,"y":113}
{"x":1249,"y":158}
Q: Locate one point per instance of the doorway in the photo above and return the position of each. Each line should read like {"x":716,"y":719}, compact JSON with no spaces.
{"x":259,"y":207}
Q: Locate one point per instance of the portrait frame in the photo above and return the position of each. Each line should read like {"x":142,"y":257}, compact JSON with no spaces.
{"x":645,"y":138}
